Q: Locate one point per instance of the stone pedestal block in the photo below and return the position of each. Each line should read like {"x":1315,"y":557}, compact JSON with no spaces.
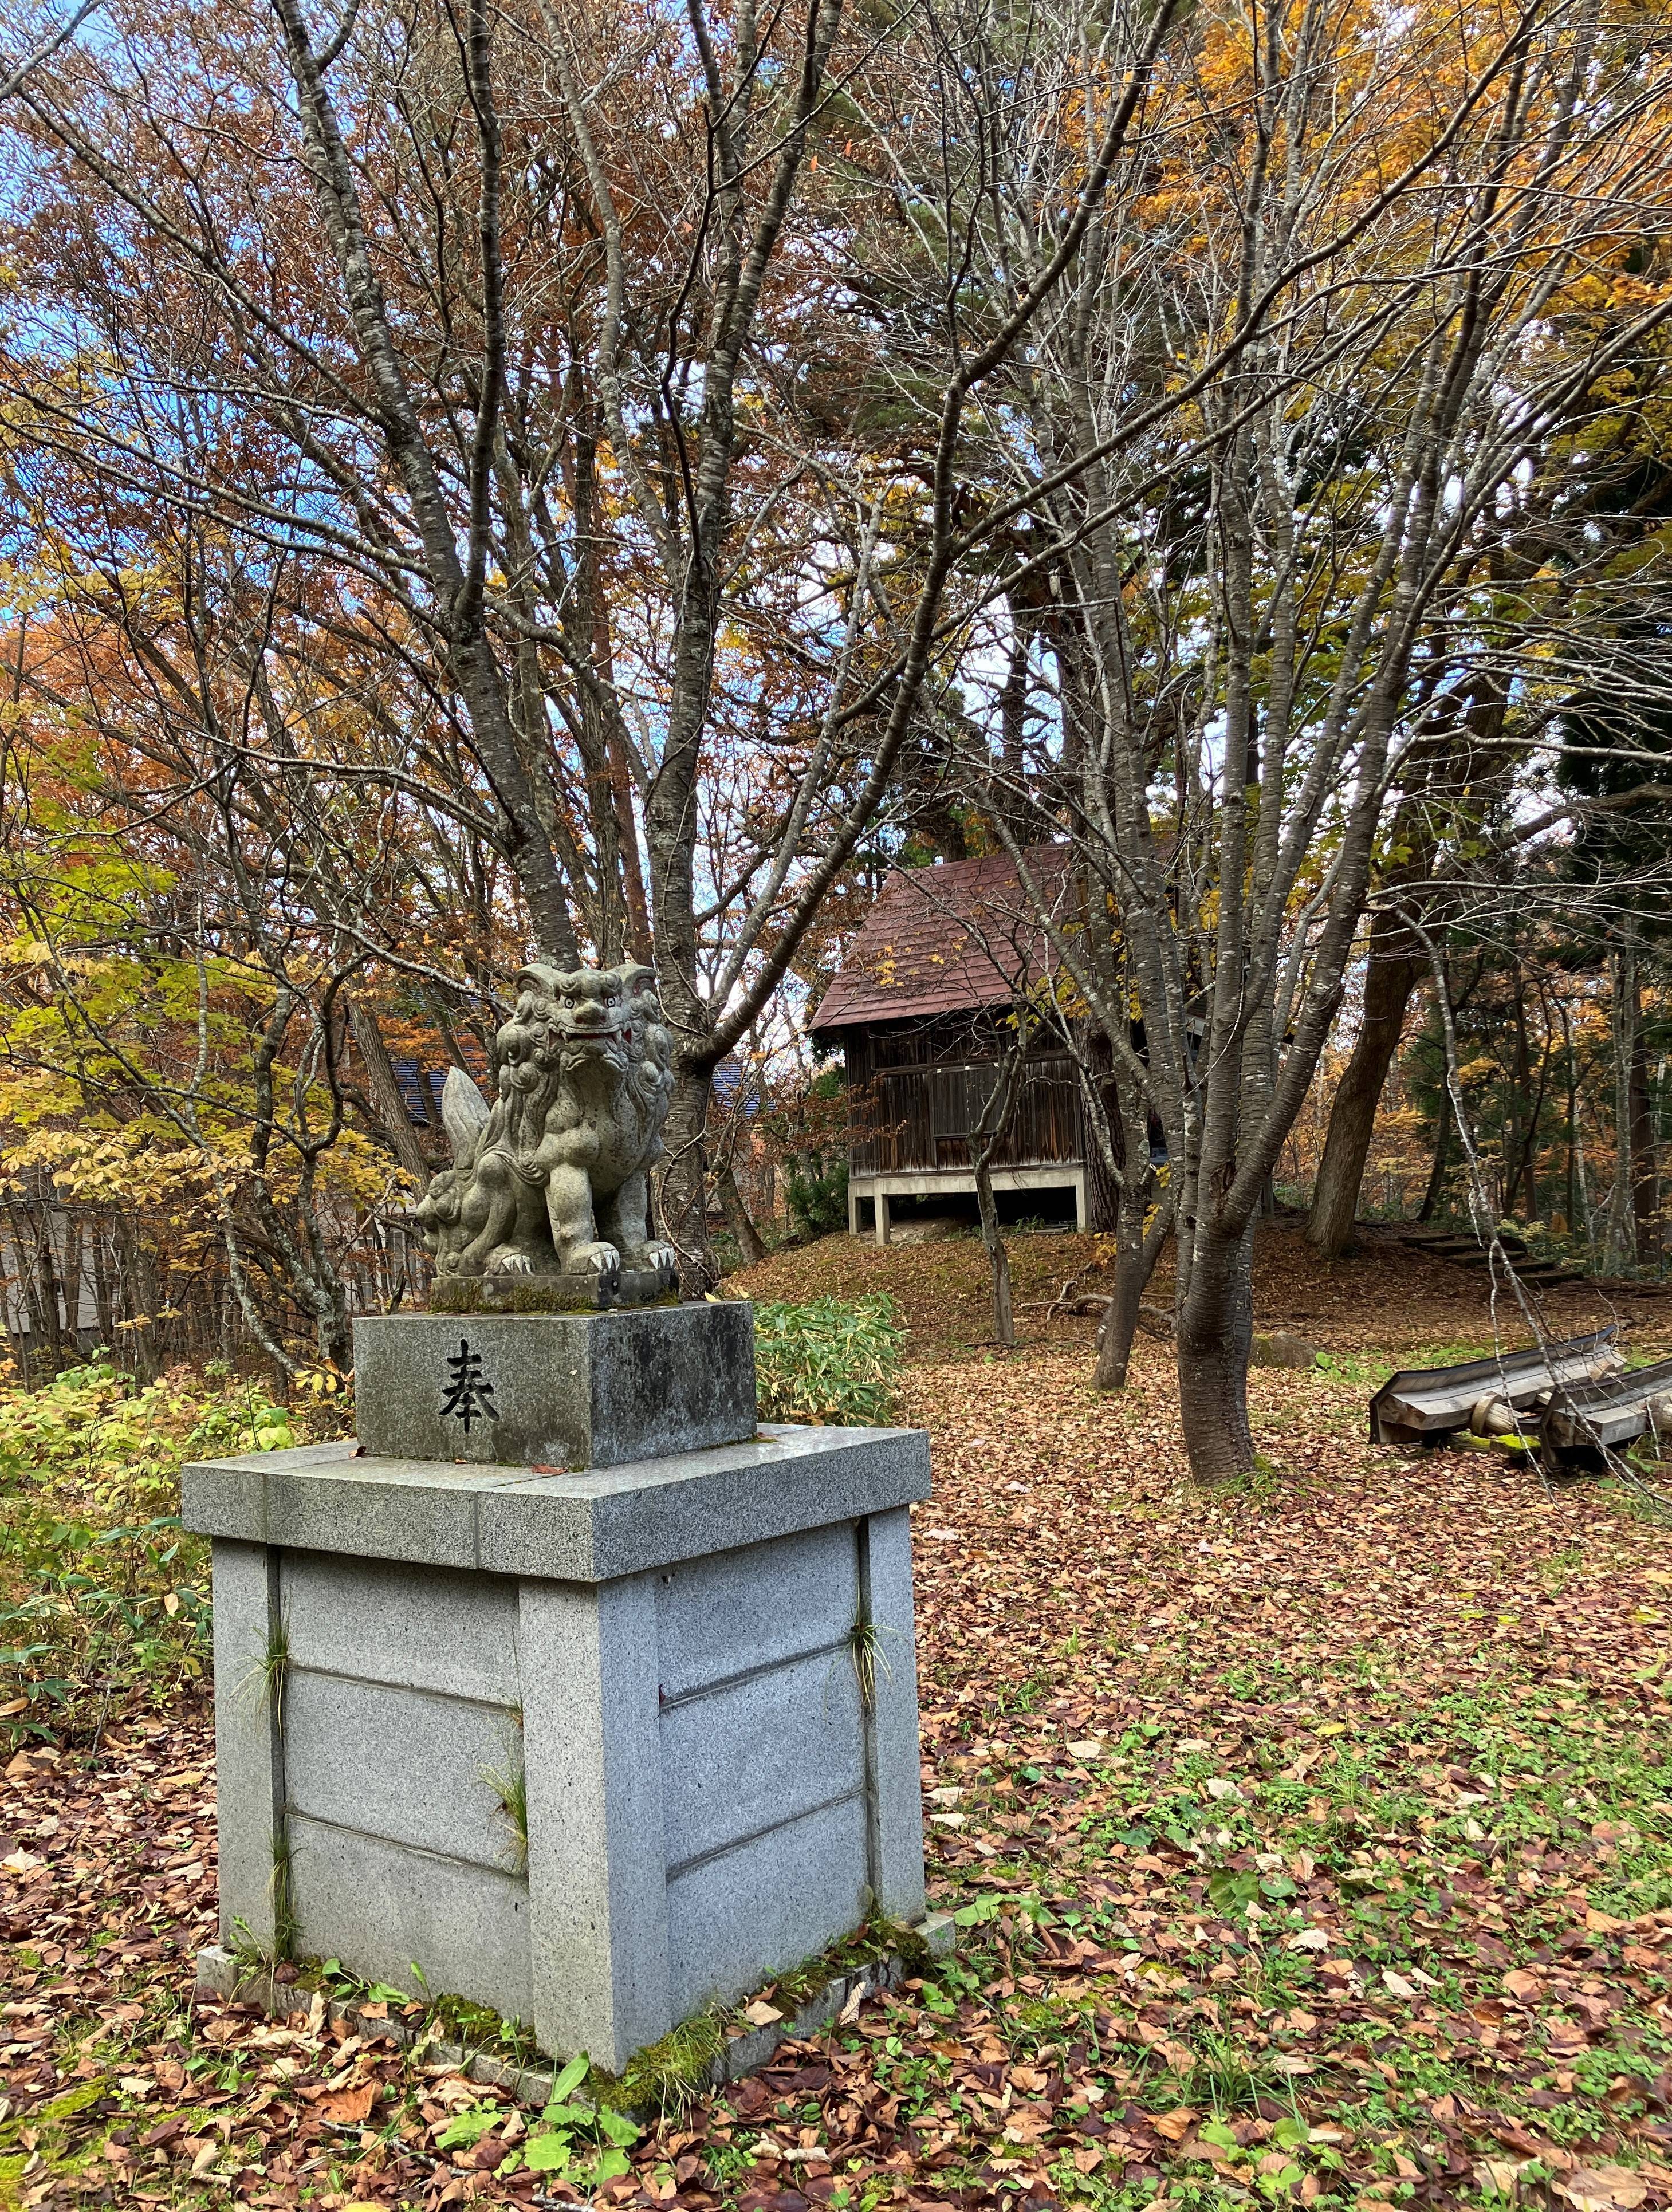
{"x":594,"y":1749}
{"x":555,"y":1390}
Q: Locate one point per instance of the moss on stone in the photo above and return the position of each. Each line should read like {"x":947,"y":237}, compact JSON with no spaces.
{"x":870,"y":1945}
{"x":668,"y":2076}
{"x":470,"y":1294}
{"x":462,"y":1294}
{"x":664,"y":2078}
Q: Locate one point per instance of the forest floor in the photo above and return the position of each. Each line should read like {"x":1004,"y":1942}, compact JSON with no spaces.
{"x":1312,"y":1842}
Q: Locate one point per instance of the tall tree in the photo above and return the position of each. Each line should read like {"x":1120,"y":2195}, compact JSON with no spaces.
{"x":559,"y":399}
{"x":1360,"y":307}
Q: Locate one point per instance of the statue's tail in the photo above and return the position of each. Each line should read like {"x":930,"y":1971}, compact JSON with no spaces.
{"x":464,"y":1112}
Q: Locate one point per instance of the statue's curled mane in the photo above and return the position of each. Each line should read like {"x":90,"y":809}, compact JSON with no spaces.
{"x":552,"y":1178}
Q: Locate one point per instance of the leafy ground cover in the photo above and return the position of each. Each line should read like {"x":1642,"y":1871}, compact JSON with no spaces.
{"x":103,"y":1597}
{"x":1382,"y":1297}
{"x":826,"y":1359}
{"x":1311,"y":1844}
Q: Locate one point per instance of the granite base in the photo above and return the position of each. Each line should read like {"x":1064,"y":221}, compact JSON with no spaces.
{"x":592,"y":1749}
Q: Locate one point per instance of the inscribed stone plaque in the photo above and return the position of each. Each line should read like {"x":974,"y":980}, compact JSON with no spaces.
{"x":557,"y":1390}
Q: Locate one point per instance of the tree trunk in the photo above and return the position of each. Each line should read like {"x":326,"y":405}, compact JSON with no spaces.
{"x":394,"y":1122}
{"x":139,"y":1283}
{"x":335,"y":1337}
{"x":1572,"y":1208}
{"x":985,"y":1140}
{"x":104,"y":1296}
{"x":749,"y":1242}
{"x":71,"y":1279}
{"x":45,"y":1279}
{"x":684,"y":1182}
{"x":1104,"y":1145}
{"x":1519,"y":1118}
{"x":1586,"y":1222}
{"x":998,"y":1260}
{"x":1645,"y":1211}
{"x":1622,"y":1224}
{"x":1437,"y":1173}
{"x":1636,"y":1196}
{"x":31,"y":1322}
{"x":1121,"y":1182}
{"x":1389,"y":983}
{"x":1215,"y":1326}
{"x":1119,"y":1327}
{"x":1134,"y":1263}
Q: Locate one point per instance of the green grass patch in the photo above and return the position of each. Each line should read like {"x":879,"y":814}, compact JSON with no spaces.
{"x":1443,"y":1841}
{"x":52,"y":2143}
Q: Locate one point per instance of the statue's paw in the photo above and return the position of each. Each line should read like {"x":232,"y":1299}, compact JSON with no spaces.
{"x":507,"y":1260}
{"x":662,"y":1257}
{"x":595,"y":1260}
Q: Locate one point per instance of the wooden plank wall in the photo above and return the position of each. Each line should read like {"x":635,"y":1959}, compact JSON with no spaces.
{"x":918,"y":1117}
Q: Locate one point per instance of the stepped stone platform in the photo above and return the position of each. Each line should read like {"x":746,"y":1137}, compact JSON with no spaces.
{"x":593,"y":1745}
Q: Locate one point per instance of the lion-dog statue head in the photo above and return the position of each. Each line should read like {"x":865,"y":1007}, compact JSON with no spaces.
{"x":552,"y":1178}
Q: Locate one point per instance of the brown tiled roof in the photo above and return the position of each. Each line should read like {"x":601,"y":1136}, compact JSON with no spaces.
{"x":940,"y":939}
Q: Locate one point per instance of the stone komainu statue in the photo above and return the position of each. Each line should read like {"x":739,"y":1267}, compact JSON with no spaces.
{"x":552,"y":1178}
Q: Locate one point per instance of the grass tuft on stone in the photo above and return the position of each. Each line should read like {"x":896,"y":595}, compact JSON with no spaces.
{"x":666,"y":2077}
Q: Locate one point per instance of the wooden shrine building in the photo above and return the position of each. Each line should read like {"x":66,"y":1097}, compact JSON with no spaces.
{"x":920,"y":1010}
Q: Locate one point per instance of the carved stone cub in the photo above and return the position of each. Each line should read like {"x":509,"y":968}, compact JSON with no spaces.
{"x":551,"y":1178}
